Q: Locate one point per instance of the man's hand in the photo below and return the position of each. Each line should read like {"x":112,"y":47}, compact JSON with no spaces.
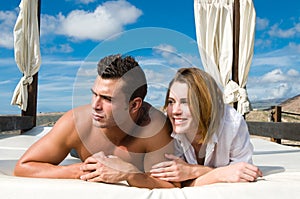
{"x":109,"y":169}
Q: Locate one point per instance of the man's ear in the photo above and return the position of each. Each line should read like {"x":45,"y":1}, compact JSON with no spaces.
{"x":135,"y":104}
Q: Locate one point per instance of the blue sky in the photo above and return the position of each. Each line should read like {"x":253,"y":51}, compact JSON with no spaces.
{"x":74,"y":36}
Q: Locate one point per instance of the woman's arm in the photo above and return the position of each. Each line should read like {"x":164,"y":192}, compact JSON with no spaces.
{"x":239,"y":172}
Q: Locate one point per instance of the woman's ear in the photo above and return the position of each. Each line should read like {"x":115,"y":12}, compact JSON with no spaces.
{"x":135,"y":105}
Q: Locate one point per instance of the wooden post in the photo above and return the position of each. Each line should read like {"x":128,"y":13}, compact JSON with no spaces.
{"x":277,"y":118}
{"x":32,"y":102}
{"x":33,"y":88}
{"x":236,"y":42}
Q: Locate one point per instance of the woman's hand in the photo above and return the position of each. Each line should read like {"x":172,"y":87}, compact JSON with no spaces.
{"x":238,"y":172}
{"x":175,"y":170}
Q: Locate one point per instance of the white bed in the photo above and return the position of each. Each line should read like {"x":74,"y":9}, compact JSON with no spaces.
{"x":280,"y":165}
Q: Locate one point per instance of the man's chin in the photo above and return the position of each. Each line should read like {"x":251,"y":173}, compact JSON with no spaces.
{"x":98,"y":124}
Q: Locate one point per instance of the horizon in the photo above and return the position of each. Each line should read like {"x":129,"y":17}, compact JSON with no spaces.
{"x":69,"y":39}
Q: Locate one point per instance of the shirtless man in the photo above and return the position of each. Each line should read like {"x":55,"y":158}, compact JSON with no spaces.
{"x":118,"y":136}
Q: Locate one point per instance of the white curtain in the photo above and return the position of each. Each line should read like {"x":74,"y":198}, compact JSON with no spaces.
{"x":214,"y":31}
{"x":27,"y":49}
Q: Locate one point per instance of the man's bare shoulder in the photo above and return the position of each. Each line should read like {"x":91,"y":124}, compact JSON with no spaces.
{"x":69,"y":121}
{"x":82,"y":112}
{"x":156,"y":130}
{"x":152,"y":115}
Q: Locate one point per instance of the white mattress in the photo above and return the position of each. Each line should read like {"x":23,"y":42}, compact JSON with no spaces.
{"x":280,"y":165}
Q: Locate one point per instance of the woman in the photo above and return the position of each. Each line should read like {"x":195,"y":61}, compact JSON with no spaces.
{"x":211,"y":139}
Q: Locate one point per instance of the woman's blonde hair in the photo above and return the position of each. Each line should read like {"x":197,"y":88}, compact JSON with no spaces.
{"x":205,"y":100}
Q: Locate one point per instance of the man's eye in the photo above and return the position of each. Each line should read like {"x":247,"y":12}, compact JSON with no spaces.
{"x":107,"y":98}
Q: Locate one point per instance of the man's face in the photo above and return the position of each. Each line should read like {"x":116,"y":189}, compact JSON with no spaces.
{"x":109,"y":107}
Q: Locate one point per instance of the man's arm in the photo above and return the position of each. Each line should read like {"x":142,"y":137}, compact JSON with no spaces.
{"x":42,"y":158}
{"x":112,"y":169}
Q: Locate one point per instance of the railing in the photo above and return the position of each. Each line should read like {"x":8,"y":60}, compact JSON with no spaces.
{"x":27,"y":119}
{"x":278,"y":130}
{"x":275,"y":129}
{"x":12,"y":123}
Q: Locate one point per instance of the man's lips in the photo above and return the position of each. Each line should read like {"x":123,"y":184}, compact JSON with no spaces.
{"x":97,"y":116}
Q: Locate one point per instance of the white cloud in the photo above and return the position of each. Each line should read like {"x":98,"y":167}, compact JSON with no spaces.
{"x":294,"y":47}
{"x":81,"y":1}
{"x":263,"y":43}
{"x":175,"y":58}
{"x":281,"y":90}
{"x":274,"y":76}
{"x":5,"y":82}
{"x":287,"y":57}
{"x":7,"y":61}
{"x":271,"y":60}
{"x":169,"y":53}
{"x":60,"y":48}
{"x":61,"y":84}
{"x":107,"y":19}
{"x":274,"y":84}
{"x":49,"y":24}
{"x":276,"y":31}
{"x":261,"y":23}
{"x":86,"y":1}
{"x":165,"y":48}
{"x":155,"y":76}
{"x":293,"y":73}
{"x":7,"y":22}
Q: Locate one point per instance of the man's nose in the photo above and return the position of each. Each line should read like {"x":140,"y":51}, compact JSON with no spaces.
{"x":97,"y":102}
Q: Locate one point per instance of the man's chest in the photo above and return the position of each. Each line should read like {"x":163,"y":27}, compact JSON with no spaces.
{"x":129,"y":151}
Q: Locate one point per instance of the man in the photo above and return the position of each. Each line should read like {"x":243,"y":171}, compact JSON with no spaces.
{"x":118,"y":136}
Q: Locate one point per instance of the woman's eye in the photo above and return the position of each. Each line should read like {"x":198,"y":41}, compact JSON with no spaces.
{"x":170,"y":101}
{"x":183,"y":101}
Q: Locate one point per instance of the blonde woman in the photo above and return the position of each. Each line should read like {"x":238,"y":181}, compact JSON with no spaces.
{"x":211,"y":139}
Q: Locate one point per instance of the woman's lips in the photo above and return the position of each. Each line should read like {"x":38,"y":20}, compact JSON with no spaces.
{"x":178,"y":121}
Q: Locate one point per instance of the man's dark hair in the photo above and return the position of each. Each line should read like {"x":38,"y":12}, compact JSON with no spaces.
{"x":116,"y":67}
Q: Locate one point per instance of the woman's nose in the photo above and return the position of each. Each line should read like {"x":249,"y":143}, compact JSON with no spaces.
{"x":177,"y":108}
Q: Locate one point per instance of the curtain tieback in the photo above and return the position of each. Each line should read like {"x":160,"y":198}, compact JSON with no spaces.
{"x":234,"y":93}
{"x":26,"y":80}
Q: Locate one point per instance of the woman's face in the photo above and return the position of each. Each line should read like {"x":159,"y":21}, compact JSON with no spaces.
{"x":178,"y":109}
